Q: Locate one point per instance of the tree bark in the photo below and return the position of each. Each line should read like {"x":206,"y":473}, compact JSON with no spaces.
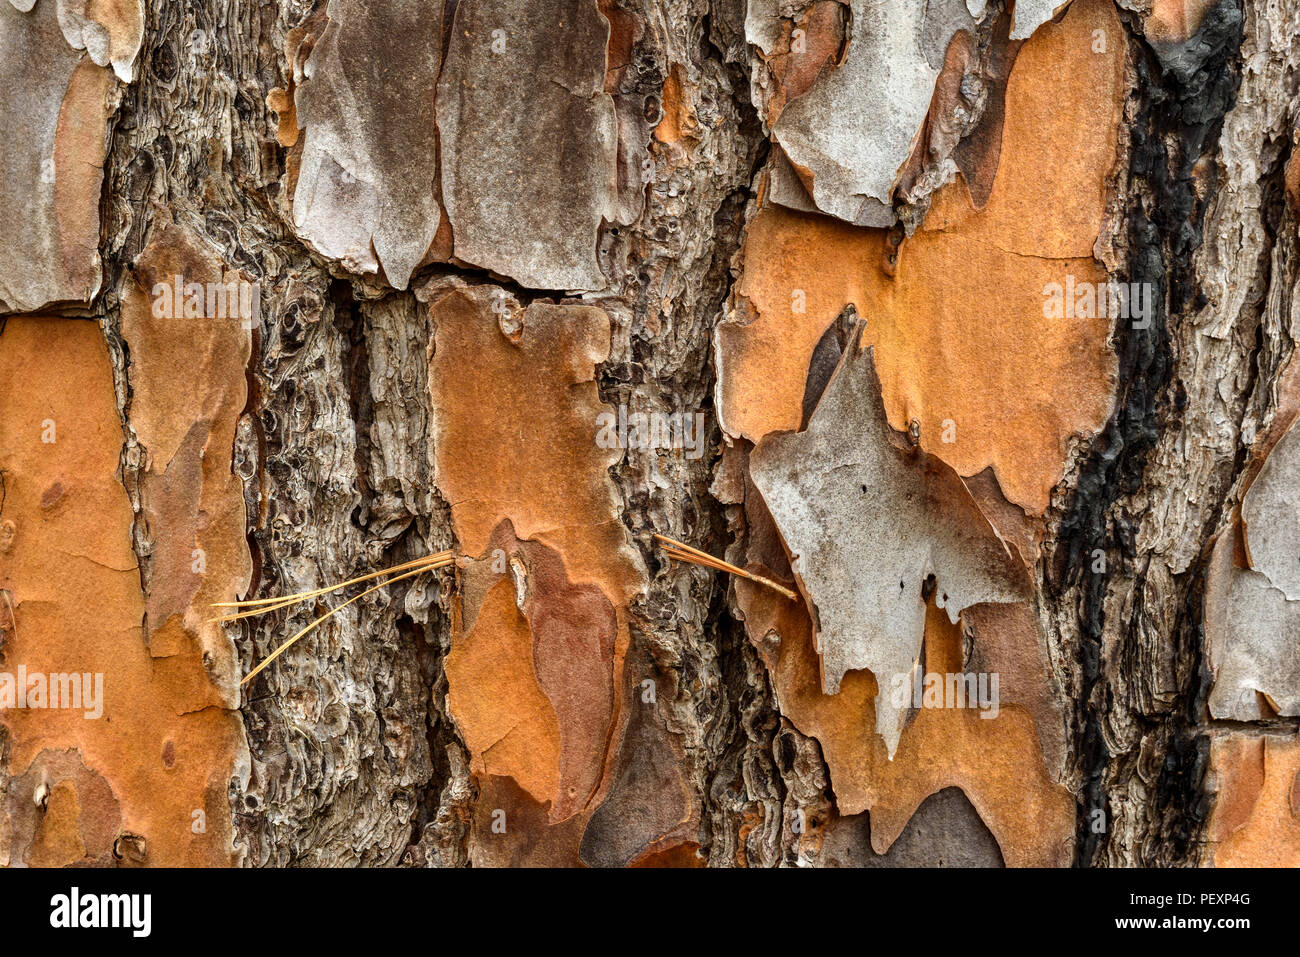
{"x":968,"y":326}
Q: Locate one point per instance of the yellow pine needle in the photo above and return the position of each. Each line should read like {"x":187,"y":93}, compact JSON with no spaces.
{"x":437,"y":559}
{"x":694,"y":559}
{"x":253,"y":613}
{"x":289,"y":644}
{"x":13,"y":615}
{"x":685,"y":553}
{"x":702,"y":559}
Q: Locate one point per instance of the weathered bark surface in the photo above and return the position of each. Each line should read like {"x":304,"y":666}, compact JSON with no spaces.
{"x":484,"y":236}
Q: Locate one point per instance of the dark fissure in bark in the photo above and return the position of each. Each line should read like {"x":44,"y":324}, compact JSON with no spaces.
{"x":1180,"y":793}
{"x":356,"y":364}
{"x":1184,"y":94}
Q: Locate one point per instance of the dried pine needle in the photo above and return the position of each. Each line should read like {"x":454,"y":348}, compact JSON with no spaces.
{"x":325,"y":617}
{"x":685,"y":553}
{"x":13,"y":615}
{"x":436,"y":559}
{"x":407,"y":570}
{"x":679,"y":551}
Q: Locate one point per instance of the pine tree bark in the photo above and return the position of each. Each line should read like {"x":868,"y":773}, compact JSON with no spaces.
{"x":487,"y":238}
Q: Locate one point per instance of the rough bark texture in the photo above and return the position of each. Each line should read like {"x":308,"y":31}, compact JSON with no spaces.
{"x":827,"y":288}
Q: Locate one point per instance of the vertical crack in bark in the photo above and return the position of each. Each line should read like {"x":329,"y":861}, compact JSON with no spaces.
{"x":711,"y":690}
{"x":1180,"y":114}
{"x":356,"y":363}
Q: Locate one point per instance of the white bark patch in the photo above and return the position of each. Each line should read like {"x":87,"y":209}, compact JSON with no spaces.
{"x":366,"y":191}
{"x":1270,"y":512}
{"x":866,"y":523}
{"x":1251,"y":631}
{"x":109,"y":33}
{"x":53,"y":116}
{"x":763,"y":24}
{"x":1028,"y":15}
{"x":1252,"y":616}
{"x":529,"y":139}
{"x":854,"y":130}
{"x":36,"y":67}
{"x":82,"y":33}
{"x":852,"y":134}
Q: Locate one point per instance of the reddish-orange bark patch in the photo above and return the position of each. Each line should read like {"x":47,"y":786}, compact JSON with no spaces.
{"x":515,"y":442}
{"x":963,"y":346}
{"x":1256,"y":817}
{"x":79,"y":608}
